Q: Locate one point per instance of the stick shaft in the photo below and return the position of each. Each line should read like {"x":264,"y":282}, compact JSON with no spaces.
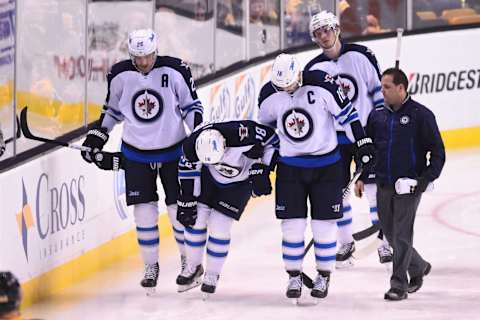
{"x":399,"y":47}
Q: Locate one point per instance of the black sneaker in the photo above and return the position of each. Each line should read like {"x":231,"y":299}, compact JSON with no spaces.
{"x":417,"y":282}
{"x":395,"y":294}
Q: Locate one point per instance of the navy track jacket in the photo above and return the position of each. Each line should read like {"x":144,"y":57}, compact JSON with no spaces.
{"x":402,"y":140}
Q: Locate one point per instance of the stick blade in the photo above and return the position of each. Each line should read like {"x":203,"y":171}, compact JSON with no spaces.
{"x":24,"y":124}
{"x":365,"y":233}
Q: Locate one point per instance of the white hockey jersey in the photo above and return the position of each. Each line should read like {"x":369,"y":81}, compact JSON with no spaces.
{"x":305,"y":120}
{"x":357,"y":72}
{"x":153,"y":108}
{"x":247,"y":142}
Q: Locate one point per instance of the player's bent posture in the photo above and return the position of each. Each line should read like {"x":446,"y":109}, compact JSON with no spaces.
{"x":153,"y":96}
{"x":224,"y":164}
{"x":304,"y":106}
{"x":356,"y":71}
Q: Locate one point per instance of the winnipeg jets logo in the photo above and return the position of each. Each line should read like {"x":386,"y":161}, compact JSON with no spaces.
{"x":329,"y":79}
{"x":348,"y":84}
{"x":298,"y":124}
{"x":242,"y":132}
{"x":185,"y":65}
{"x":226,"y":170}
{"x":147,"y":105}
{"x":404,"y":120}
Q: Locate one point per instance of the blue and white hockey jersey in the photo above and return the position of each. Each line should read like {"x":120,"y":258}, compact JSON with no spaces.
{"x":357,"y":72}
{"x":153,"y":108}
{"x":247,"y":142}
{"x":306,"y":119}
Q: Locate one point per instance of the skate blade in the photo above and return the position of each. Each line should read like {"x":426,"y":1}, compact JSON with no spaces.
{"x":183,"y":288}
{"x":344,"y":264}
{"x":150,"y":291}
{"x":301,"y":302}
{"x":206,"y":296}
{"x":388,"y":267}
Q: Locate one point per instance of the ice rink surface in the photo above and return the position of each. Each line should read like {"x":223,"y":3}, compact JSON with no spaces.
{"x":253,"y":281}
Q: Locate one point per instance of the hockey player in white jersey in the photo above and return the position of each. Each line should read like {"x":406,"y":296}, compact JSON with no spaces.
{"x":153,"y":96}
{"x":224,"y":164}
{"x":304,"y":107}
{"x":356,"y":71}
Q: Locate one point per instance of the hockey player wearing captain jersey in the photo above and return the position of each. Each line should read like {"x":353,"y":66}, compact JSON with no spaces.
{"x":224,"y":164}
{"x":356,"y":71}
{"x":303,"y":107}
{"x":153,"y":96}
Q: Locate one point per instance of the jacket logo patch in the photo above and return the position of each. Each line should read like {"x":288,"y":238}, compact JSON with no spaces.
{"x":404,"y":120}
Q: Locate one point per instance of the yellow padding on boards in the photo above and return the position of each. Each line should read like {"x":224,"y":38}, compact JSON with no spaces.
{"x":70,"y":273}
{"x":461,"y":138}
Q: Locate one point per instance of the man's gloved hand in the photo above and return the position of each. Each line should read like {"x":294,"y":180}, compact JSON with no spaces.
{"x":422,"y":184}
{"x":108,"y":160}
{"x":365,"y":154}
{"x":259,"y":177}
{"x":187,"y":211}
{"x":95,"y":140}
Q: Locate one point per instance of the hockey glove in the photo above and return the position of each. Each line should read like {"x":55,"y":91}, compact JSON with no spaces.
{"x":259,"y":177}
{"x":256,"y":152}
{"x":96,"y":139}
{"x":365,"y":153}
{"x":187,"y":211}
{"x":422,"y":184}
{"x":108,"y":160}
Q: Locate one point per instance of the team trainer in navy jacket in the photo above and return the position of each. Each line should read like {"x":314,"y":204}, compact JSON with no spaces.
{"x":404,"y":132}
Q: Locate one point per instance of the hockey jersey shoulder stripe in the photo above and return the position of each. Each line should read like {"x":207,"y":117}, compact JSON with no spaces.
{"x":266,"y":91}
{"x":119,"y":67}
{"x":365,"y":51}
{"x":324,"y":80}
{"x":320,"y":58}
{"x":181,"y":67}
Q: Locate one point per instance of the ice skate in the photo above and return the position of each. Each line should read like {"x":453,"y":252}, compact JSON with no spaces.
{"x":344,"y":257}
{"x":149,"y":281}
{"x":189,"y":278}
{"x":209,"y":284}
{"x":294,"y":286}
{"x":385,"y":253}
{"x":320,"y":285}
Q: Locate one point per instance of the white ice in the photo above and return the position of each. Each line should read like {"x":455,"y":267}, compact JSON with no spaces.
{"x":252,"y":284}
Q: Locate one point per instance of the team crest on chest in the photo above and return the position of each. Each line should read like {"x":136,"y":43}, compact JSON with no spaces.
{"x":348,"y":85}
{"x":147,"y":105}
{"x":298,"y":124}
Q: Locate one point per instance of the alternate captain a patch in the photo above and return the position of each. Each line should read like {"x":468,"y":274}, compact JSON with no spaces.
{"x":147,"y":105}
{"x":297,"y":124}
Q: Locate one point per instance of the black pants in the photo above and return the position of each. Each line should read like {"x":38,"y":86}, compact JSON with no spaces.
{"x":397,"y":216}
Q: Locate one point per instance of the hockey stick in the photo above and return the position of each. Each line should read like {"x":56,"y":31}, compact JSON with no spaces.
{"x":399,"y":47}
{"x":365,"y":233}
{"x":28,"y":134}
{"x":357,"y":236}
{"x":18,"y":134}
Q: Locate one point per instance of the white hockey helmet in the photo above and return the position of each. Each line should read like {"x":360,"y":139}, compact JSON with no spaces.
{"x":210,"y":146}
{"x":286,"y":71}
{"x":142,"y":42}
{"x":321,"y":20}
